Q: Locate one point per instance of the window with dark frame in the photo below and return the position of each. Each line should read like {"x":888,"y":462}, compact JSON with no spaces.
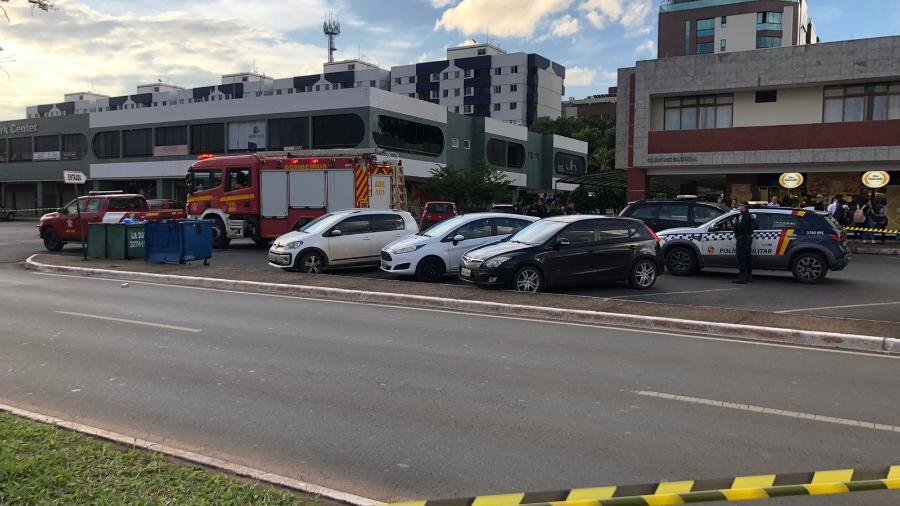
{"x":766,"y":96}
{"x":208,"y":138}
{"x":4,"y":150}
{"x":45,"y":143}
{"x":691,"y":113}
{"x":408,"y":136}
{"x":337,"y":131}
{"x":137,"y":143}
{"x":171,"y":136}
{"x":20,"y":149}
{"x":106,"y":144}
{"x":288,"y":132}
{"x":864,"y":102}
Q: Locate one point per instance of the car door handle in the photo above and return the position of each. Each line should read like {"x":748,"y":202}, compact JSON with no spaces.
{"x":366,"y":238}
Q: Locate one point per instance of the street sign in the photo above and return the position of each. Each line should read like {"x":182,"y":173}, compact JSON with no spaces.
{"x":74,"y":177}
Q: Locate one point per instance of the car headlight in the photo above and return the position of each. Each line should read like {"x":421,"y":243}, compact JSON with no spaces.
{"x":293,"y":245}
{"x":407,"y":249}
{"x":495,"y":262}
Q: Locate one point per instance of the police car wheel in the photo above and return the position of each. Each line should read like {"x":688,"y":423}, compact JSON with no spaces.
{"x":681,"y":261}
{"x":809,"y":268}
{"x":643,"y":275}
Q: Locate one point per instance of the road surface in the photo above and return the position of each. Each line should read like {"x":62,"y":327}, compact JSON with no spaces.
{"x":394,"y":403}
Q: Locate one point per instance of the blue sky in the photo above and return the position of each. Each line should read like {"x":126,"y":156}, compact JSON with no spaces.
{"x":110,"y":46}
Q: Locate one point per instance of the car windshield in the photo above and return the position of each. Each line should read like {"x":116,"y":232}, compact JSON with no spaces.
{"x":320,"y":224}
{"x":538,"y":232}
{"x":445,"y":227}
{"x":439,"y":208}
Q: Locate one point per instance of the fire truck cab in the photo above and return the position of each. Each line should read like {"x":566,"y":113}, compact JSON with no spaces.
{"x":264,"y":195}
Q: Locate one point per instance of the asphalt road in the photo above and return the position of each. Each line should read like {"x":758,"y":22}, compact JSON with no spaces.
{"x":867,"y":289}
{"x":396,"y":403}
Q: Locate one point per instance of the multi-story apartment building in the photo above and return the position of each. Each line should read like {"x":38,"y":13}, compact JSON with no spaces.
{"x":733,"y":123}
{"x":720,"y":26}
{"x":485,"y":80}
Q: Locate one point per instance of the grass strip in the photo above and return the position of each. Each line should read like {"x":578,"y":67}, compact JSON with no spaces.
{"x":45,"y":465}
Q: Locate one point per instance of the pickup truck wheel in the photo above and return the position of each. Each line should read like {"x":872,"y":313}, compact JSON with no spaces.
{"x":220,"y":234}
{"x":51,"y":240}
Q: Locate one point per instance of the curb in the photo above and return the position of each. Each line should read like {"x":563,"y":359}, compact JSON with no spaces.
{"x":195,"y":458}
{"x":731,"y":330}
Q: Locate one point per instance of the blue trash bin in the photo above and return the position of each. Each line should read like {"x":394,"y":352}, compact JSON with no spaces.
{"x":162,"y":241}
{"x":196,"y":240}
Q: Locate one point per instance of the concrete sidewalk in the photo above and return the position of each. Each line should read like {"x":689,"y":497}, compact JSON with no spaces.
{"x":890,"y":247}
{"x":275,"y":281}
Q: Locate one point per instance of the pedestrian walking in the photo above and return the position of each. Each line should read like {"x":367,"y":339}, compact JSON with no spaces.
{"x":865,"y":215}
{"x":744,"y":225}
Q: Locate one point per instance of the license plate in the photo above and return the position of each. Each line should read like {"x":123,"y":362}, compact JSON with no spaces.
{"x":465,"y":272}
{"x":386,"y":266}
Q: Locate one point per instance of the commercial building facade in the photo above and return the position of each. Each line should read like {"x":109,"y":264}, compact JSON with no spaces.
{"x":149,"y":148}
{"x":596,"y":106}
{"x":689,"y":27}
{"x":732,"y":123}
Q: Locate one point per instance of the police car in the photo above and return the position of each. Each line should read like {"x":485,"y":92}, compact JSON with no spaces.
{"x":807,"y":243}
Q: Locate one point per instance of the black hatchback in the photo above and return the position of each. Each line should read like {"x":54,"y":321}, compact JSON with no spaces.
{"x":660,"y":215}
{"x":567,"y":250}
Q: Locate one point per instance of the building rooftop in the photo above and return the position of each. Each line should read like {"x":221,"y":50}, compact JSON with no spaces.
{"x":684,"y":5}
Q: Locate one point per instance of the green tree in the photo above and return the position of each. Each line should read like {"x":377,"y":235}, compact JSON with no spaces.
{"x":600,"y":134}
{"x":471,"y":189}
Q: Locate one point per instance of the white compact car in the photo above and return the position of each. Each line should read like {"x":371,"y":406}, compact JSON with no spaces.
{"x":439,"y":250}
{"x":350,"y":237}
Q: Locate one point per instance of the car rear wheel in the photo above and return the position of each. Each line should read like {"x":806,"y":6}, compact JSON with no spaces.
{"x":220,"y":234}
{"x":809,"y":268}
{"x":311,"y":263}
{"x":681,"y":261}
{"x":528,"y":279}
{"x":430,"y":270}
{"x":643,"y":275}
{"x":51,"y":240}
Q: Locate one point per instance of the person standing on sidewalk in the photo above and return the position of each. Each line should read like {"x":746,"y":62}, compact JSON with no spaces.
{"x":744,"y":225}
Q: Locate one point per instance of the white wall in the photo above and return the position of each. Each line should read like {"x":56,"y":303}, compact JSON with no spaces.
{"x":739,"y":32}
{"x":795,"y":106}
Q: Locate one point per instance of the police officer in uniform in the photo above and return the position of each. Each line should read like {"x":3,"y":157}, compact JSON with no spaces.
{"x":744,"y":225}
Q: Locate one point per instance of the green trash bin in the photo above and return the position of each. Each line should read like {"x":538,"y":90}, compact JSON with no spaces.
{"x":96,"y":240}
{"x":115,"y":241}
{"x":134,"y":241}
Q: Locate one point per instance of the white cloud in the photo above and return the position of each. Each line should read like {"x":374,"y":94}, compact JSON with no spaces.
{"x":440,"y":4}
{"x":564,"y":26}
{"x":631,"y":14}
{"x":647,"y":47}
{"x":500,"y":18}
{"x":587,"y":76}
{"x":80,"y":48}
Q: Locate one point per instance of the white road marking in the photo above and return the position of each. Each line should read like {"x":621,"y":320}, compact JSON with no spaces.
{"x":770,"y":411}
{"x":133,"y":322}
{"x":675,"y":293}
{"x":501,"y":317}
{"x":838,"y":307}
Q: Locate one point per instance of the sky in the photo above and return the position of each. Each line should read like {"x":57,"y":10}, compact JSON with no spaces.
{"x":111,"y":46}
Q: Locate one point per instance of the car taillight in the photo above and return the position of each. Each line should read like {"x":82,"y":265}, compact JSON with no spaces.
{"x":839,"y":237}
{"x":653,"y":234}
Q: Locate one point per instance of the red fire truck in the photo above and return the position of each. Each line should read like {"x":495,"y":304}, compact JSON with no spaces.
{"x":264,"y":195}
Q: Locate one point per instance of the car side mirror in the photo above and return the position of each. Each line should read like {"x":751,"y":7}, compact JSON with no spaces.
{"x":458,"y":238}
{"x":562,"y":241}
{"x":62,"y":210}
{"x":336,"y":233}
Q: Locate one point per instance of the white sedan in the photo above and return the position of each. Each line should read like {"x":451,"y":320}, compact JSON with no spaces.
{"x":436,"y":251}
{"x":350,"y":237}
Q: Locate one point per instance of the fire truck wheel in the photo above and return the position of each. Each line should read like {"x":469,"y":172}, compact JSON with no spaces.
{"x":311,"y":263}
{"x":430,"y":270}
{"x":51,"y":240}
{"x":220,"y":235}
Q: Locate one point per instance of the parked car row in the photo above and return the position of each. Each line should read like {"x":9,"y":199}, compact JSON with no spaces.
{"x":489,"y":249}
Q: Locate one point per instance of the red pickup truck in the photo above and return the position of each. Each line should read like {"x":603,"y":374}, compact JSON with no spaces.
{"x":56,"y":229}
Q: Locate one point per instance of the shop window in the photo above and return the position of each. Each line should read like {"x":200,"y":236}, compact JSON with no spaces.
{"x":171,"y":136}
{"x":285,"y":132}
{"x":106,"y":145}
{"x":208,"y":138}
{"x":408,"y":136}
{"x":4,"y":150}
{"x":137,"y":143}
{"x":507,"y":154}
{"x":570,"y":165}
{"x":338,"y":131}
{"x":867,"y":102}
{"x":238,"y":179}
{"x":45,"y":143}
{"x":20,"y":149}
{"x":74,"y":147}
{"x":690,"y":113}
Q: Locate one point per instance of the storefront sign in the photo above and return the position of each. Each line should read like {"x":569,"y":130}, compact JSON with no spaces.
{"x":672,"y":159}
{"x":74,"y":177}
{"x":791,"y":180}
{"x":13,"y":129}
{"x":43,"y":156}
{"x":876,"y":179}
{"x":177,"y":150}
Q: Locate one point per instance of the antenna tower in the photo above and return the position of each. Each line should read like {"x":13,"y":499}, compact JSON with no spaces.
{"x":332,"y":29}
